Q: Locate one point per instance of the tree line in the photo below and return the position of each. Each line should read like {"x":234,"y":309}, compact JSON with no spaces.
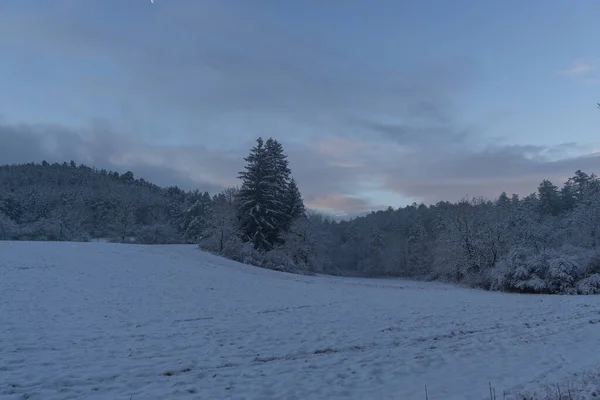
{"x":545,"y":242}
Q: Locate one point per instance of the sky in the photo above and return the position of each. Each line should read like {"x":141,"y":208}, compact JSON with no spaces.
{"x":377,"y":103}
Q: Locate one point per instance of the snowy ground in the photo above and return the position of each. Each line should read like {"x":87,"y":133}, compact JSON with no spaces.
{"x":110,"y":321}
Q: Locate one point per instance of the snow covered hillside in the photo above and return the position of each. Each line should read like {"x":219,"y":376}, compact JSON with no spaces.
{"x":110,"y":321}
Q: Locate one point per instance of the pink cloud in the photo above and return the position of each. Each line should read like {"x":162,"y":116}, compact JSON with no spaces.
{"x":337,"y":202}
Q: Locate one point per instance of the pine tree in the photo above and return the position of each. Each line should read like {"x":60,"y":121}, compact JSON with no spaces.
{"x":278,"y":176}
{"x":257,"y":199}
{"x":295,"y":208}
{"x":269,"y":200}
{"x":195,"y":219}
{"x":550,"y":202}
{"x":578,"y":188}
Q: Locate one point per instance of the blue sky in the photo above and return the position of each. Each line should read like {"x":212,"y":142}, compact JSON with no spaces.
{"x":377,"y":103}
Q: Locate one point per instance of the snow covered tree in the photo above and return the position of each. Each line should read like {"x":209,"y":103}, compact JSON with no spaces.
{"x":221,"y":234}
{"x":589,"y":285}
{"x":74,"y":202}
{"x":584,"y":222}
{"x":12,"y":208}
{"x":521,"y":271}
{"x":550,"y":202}
{"x":578,"y":188}
{"x":461,"y":254}
{"x":295,"y":208}
{"x":417,"y":254}
{"x":308,"y":241}
{"x":545,"y":242}
{"x":375,"y":251}
{"x":278,"y":176}
{"x":267,"y":203}
{"x":125,"y":218}
{"x":195,"y":218}
{"x":351,"y":246}
{"x":258,"y":204}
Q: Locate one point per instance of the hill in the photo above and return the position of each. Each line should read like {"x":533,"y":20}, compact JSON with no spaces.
{"x":70,"y":202}
{"x":98,"y":321}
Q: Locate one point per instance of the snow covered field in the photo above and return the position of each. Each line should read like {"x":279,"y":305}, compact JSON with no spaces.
{"x":110,"y":321}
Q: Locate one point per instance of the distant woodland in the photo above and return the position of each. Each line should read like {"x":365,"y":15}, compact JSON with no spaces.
{"x":546,"y":242}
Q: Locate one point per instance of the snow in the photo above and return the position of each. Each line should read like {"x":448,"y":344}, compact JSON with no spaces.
{"x":114,"y":321}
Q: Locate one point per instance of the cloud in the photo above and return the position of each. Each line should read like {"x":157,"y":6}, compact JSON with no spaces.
{"x":578,"y":68}
{"x":421,"y":135}
{"x":431,"y":170}
{"x":335,"y":203}
{"x":220,"y":60}
{"x":178,"y":91}
{"x":486,"y":172}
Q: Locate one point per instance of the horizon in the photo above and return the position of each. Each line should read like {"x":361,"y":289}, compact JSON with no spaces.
{"x":372,"y":107}
{"x":328,"y":213}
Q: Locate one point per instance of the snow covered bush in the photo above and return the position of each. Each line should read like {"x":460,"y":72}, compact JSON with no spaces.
{"x":232,"y":248}
{"x":593,"y":264}
{"x":562,"y":272}
{"x":307,"y":244}
{"x":527,"y":271}
{"x":521,"y":271}
{"x":589,"y":285}
{"x":222,"y":238}
{"x":278,"y":260}
{"x":581,"y":255}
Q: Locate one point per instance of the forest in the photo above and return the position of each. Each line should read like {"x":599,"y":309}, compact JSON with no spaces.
{"x":545,"y":242}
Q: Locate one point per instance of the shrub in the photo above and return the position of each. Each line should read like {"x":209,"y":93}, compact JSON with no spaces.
{"x":562,"y":273}
{"x":157,"y":234}
{"x":233,"y":248}
{"x":526,"y":271}
{"x":521,"y":271}
{"x":278,"y":260}
{"x":589,"y":285}
{"x":593,"y":264}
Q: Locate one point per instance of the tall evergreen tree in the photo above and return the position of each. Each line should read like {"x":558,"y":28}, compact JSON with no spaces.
{"x":550,"y":202}
{"x":295,"y":208}
{"x":279,"y":178}
{"x":269,"y":201}
{"x":257,"y":199}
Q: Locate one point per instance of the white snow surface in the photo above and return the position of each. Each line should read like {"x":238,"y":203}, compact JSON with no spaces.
{"x":111,"y":321}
